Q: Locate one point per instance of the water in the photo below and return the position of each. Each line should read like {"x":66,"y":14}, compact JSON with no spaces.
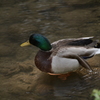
{"x":56,"y":19}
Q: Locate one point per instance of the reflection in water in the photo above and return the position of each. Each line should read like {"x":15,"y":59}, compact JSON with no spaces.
{"x":56,"y":19}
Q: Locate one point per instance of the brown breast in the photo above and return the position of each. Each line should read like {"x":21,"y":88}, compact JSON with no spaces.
{"x":42,"y":62}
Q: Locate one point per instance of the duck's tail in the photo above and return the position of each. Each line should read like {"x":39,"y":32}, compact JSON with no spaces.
{"x":98,"y":46}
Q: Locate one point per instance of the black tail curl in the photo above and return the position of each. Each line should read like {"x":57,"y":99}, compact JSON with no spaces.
{"x":98,"y":45}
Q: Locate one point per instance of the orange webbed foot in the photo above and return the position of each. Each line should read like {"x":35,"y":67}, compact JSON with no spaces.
{"x":64,"y":76}
{"x":61,"y":76}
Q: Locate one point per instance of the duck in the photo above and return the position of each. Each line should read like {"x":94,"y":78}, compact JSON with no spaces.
{"x":63,"y":56}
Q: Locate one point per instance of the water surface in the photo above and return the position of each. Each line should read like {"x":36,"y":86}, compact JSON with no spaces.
{"x":56,"y":19}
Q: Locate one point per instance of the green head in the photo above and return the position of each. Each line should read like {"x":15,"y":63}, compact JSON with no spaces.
{"x":40,"y":41}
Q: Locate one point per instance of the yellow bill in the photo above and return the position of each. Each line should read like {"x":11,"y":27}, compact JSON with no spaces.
{"x":25,"y":44}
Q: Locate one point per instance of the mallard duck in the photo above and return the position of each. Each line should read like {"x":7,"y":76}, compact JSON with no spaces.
{"x":63,"y":56}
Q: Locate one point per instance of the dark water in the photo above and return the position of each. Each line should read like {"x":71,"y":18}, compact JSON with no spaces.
{"x":56,"y":19}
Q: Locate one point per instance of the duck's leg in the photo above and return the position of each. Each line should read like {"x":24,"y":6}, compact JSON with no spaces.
{"x":53,"y":74}
{"x":61,"y":76}
{"x":64,"y":76}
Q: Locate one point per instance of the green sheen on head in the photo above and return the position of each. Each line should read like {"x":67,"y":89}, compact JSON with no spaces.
{"x":40,"y":41}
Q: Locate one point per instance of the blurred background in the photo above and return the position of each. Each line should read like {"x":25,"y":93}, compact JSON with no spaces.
{"x":55,"y":19}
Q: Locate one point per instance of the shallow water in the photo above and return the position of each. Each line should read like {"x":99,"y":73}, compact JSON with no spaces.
{"x":56,"y":19}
